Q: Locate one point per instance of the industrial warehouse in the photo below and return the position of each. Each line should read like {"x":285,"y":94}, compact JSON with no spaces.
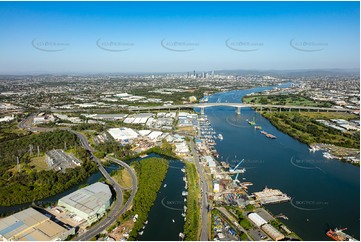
{"x":123,"y":134}
{"x":89,"y":203}
{"x":266,"y":227}
{"x":31,"y":225}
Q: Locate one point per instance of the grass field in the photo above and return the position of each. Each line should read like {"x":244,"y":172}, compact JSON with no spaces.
{"x":290,"y":99}
{"x":123,"y":178}
{"x":330,"y":115}
{"x":39,"y":163}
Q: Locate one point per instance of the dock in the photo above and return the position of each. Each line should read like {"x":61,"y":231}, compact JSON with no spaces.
{"x":271,"y":136}
{"x":269,"y":196}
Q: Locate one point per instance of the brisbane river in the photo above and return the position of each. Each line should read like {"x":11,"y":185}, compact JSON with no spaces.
{"x":325,"y":192}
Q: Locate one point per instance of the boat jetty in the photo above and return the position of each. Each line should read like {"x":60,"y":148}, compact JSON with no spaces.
{"x":269,"y":196}
{"x":208,"y":135}
{"x":271,"y":136}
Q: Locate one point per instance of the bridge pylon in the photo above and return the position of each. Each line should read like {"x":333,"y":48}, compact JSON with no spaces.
{"x":202,"y":110}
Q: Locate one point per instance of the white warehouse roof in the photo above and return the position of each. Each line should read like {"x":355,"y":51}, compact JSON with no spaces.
{"x":88,"y":199}
{"x":258,"y":220}
{"x":155,"y":134}
{"x":210,"y":161}
{"x":123,"y":133}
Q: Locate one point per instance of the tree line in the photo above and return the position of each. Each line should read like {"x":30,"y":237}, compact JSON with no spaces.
{"x":28,"y":184}
{"x":151,"y":172}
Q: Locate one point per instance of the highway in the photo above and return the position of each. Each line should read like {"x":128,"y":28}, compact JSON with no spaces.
{"x":204,"y":192}
{"x":117,"y":208}
{"x":238,"y":105}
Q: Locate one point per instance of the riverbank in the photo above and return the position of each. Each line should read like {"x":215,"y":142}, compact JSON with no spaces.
{"x":269,"y":162}
{"x":282,"y":99}
{"x":29,"y":179}
{"x":151,"y":173}
{"x":192,"y":224}
{"x":304,"y":127}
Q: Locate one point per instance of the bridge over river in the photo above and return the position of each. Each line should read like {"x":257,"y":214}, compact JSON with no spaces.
{"x":239,"y":106}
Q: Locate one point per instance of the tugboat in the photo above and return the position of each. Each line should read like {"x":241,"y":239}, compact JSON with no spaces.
{"x":339,"y":235}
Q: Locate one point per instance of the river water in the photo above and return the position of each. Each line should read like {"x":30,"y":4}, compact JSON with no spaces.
{"x":53,"y":199}
{"x":165,"y":220}
{"x":325,"y":193}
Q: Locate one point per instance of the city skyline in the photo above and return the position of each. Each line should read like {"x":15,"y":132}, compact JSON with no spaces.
{"x":136,"y":37}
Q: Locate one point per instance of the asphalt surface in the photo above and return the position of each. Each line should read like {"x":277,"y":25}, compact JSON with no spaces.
{"x":117,"y":206}
{"x":204,"y":192}
{"x":240,"y":105}
{"x":118,"y":209}
{"x":233,"y":220}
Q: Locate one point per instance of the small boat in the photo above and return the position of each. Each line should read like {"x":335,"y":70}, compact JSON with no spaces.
{"x":173,"y":221}
{"x":141,"y":232}
{"x":146,"y":222}
{"x":220,"y":136}
{"x":183,"y":214}
{"x":327,"y":155}
{"x":165,"y":185}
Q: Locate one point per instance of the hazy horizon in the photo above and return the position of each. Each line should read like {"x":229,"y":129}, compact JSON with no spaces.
{"x":170,"y":37}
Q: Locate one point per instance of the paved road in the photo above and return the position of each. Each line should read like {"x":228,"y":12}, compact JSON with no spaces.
{"x":233,"y":220}
{"x":117,"y":210}
{"x":238,"y":105}
{"x":204,"y":192}
{"x":134,"y":180}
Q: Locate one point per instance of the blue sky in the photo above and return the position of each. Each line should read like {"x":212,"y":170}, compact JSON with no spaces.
{"x":55,"y":37}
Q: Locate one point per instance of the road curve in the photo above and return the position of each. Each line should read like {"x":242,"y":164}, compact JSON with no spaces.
{"x":117,"y":210}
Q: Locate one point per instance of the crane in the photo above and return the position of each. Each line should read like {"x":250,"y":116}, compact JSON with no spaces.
{"x":235,"y":179}
{"x":240,"y":171}
{"x":235,"y":168}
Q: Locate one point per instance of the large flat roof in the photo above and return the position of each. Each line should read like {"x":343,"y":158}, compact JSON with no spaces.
{"x":29,"y":225}
{"x":123,"y":133}
{"x":89,"y":199}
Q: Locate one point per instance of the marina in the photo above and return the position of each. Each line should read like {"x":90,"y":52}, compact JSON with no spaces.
{"x":170,"y":204}
{"x":324,"y":176}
